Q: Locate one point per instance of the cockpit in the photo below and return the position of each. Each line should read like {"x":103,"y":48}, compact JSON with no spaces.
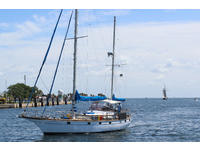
{"x":105,"y":106}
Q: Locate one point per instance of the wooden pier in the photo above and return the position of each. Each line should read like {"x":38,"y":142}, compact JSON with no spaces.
{"x":34,"y":104}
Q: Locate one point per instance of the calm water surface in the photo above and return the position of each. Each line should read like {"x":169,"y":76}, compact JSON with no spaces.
{"x":154,"y":120}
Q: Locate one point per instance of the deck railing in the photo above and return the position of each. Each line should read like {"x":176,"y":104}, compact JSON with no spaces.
{"x":68,"y":116}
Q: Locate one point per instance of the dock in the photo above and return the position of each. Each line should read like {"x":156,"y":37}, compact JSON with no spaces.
{"x":32,"y":104}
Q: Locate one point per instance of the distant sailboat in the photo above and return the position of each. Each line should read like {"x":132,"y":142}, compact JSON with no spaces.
{"x":164,"y":94}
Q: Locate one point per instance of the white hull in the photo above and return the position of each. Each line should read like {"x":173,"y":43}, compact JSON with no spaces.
{"x":62,"y":126}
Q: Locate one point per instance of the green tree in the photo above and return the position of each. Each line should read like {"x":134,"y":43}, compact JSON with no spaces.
{"x":22,"y":91}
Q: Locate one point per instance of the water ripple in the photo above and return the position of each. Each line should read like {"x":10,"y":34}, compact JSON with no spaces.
{"x":153,"y":120}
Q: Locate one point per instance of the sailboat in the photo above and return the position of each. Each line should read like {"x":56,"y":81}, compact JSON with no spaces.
{"x":164,"y":94}
{"x":104,"y":114}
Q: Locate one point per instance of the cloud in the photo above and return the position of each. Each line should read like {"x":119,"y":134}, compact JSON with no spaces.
{"x":28,"y":27}
{"x":24,"y":30}
{"x":39,"y":19}
{"x":4,"y":25}
{"x":169,"y":64}
{"x":87,"y":16}
{"x":153,"y":52}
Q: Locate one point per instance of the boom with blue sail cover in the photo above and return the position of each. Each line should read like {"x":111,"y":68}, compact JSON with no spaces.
{"x":117,"y":99}
{"x":78,"y":97}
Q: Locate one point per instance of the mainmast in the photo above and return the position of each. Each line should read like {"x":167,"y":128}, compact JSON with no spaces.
{"x":113,"y":58}
{"x":74,"y":68}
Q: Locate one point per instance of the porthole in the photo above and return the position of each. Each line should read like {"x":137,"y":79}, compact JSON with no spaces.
{"x":109,"y":122}
{"x":89,"y":123}
{"x":68,"y":122}
{"x":99,"y":122}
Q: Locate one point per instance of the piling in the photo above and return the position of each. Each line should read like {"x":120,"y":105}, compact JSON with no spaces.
{"x":57,"y":100}
{"x":20,"y":103}
{"x":35,"y":102}
{"x":41,"y":100}
{"x":65,"y":99}
{"x":52,"y":99}
{"x":47,"y":101}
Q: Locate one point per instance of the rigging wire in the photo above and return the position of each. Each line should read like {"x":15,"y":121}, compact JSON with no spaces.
{"x":44,"y":60}
{"x":87,"y":57}
{"x":45,"y":86}
{"x":61,"y":51}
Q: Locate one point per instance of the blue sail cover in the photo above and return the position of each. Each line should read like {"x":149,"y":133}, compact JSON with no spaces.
{"x":78,"y":97}
{"x":117,"y":99}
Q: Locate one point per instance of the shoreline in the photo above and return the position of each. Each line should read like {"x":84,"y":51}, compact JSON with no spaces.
{"x":38,"y":104}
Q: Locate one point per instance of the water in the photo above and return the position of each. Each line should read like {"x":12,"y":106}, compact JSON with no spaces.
{"x":154,"y":120}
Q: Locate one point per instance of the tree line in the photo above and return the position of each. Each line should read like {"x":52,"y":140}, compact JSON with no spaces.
{"x":21,"y":91}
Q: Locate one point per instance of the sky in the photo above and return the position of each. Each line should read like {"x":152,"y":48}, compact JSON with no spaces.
{"x":157,"y":47}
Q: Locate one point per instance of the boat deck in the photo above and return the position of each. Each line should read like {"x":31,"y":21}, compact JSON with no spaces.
{"x":82,"y":118}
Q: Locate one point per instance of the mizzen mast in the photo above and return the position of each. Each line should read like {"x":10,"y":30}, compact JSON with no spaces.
{"x":113,"y":58}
